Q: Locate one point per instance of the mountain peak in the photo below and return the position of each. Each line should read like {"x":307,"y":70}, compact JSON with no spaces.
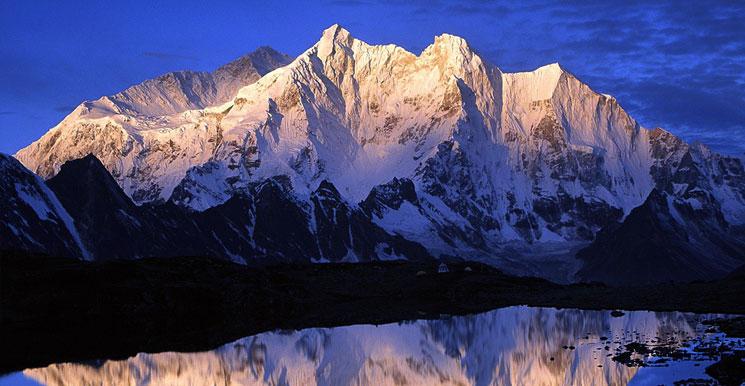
{"x":90,"y":161}
{"x":84,"y":183}
{"x":9,"y":164}
{"x":336,"y":33}
{"x":552,"y":70}
{"x":265,"y":50}
{"x":449,"y":48}
{"x":453,"y":41}
{"x":254,"y":64}
{"x":332,"y":39}
{"x":89,"y":165}
{"x":555,"y":66}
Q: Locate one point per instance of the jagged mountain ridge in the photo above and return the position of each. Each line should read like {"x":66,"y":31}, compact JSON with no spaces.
{"x":89,"y":216}
{"x":179,"y":91}
{"x":495,"y":159}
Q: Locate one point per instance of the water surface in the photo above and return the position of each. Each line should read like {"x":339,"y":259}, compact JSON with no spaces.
{"x":509,"y":346}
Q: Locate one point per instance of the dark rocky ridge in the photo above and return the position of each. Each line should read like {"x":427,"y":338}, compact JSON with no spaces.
{"x":31,"y":218}
{"x":262,"y":225}
{"x":680,"y":232}
{"x":651,"y":246}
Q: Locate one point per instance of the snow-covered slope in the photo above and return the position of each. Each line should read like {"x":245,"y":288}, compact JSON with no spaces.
{"x":501,"y":164}
{"x":187,"y":90}
{"x":128,"y":130}
{"x":31,"y":217}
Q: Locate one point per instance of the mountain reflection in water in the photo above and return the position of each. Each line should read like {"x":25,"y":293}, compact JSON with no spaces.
{"x":509,"y":346}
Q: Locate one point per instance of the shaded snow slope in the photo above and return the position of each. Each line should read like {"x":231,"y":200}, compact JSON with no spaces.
{"x":31,"y":217}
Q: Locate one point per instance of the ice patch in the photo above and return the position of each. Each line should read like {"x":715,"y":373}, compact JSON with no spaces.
{"x":40,"y":207}
{"x":65,"y":217}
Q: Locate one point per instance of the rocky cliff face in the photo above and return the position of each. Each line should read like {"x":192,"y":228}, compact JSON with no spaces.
{"x":493,"y":165}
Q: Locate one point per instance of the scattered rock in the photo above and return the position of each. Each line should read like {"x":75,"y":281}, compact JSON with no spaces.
{"x":730,"y":370}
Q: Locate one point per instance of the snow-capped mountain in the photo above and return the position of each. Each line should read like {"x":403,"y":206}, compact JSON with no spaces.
{"x":441,"y":148}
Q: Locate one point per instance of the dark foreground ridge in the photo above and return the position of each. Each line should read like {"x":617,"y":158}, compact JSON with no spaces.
{"x":56,"y":309}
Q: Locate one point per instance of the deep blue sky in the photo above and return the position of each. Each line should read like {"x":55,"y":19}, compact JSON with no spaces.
{"x":673,"y":64}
